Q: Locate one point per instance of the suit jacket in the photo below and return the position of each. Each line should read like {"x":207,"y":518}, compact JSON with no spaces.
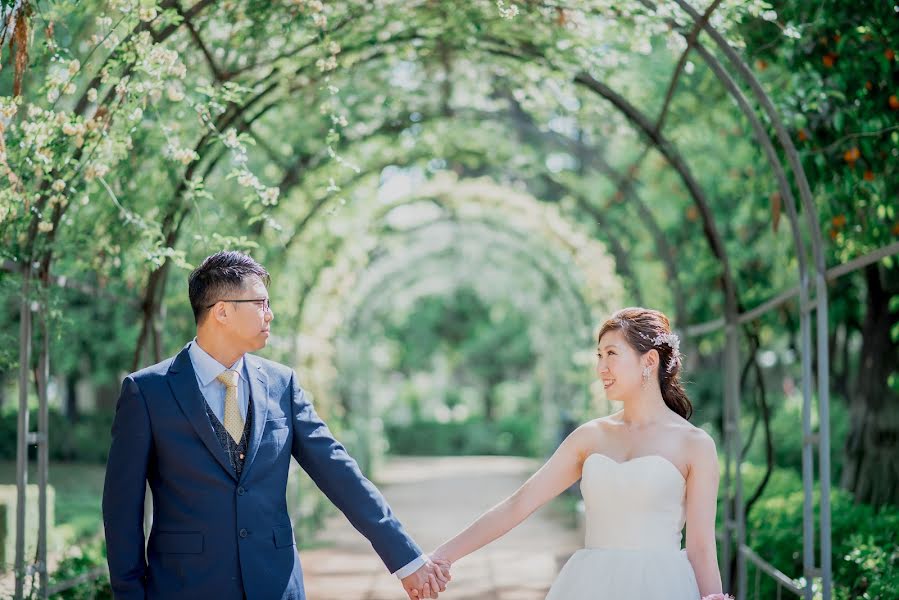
{"x":214,"y":535}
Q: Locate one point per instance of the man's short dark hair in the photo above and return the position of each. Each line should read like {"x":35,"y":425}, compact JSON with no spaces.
{"x":219,"y":276}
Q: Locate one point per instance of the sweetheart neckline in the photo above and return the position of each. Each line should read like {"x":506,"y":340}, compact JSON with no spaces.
{"x":659,"y":456}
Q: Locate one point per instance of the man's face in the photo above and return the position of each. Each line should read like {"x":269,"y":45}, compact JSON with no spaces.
{"x":248,"y":324}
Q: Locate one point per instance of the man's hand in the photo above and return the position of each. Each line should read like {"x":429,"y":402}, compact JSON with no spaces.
{"x":426,"y":582}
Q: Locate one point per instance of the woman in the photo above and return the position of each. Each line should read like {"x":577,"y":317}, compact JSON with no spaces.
{"x":645,"y":471}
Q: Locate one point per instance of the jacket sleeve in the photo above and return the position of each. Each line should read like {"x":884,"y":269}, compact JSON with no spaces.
{"x":338,"y":475}
{"x":123,"y":494}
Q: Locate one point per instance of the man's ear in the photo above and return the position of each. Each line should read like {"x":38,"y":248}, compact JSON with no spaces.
{"x":219,"y":312}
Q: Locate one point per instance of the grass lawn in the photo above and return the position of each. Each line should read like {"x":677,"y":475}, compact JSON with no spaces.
{"x":79,"y":488}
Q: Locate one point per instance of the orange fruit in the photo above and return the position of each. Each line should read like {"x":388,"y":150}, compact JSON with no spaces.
{"x":894,"y":102}
{"x":692,"y":213}
{"x":889,"y":54}
{"x":829,"y":59}
{"x":839,"y":221}
{"x":851,"y":155}
{"x":802,"y":135}
{"x":869,"y":175}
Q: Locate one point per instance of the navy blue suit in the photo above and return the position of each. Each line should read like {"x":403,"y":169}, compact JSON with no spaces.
{"x":216,"y":536}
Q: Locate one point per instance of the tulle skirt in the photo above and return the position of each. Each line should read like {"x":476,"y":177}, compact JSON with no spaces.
{"x":620,"y":574}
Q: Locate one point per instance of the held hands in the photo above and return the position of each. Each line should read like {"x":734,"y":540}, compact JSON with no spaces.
{"x":427,"y":582}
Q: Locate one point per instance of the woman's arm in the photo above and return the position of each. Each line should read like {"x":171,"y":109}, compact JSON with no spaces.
{"x":561,"y":471}
{"x":702,"y":495}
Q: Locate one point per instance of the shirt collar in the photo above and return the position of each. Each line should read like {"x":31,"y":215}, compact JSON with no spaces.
{"x":207,"y":368}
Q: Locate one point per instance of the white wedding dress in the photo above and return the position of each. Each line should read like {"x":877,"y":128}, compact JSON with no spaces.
{"x":635,"y":514}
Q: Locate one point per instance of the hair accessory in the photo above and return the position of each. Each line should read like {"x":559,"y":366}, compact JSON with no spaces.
{"x":672,"y":341}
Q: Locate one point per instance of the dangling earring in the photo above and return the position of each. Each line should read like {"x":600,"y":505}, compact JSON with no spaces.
{"x":646,"y":372}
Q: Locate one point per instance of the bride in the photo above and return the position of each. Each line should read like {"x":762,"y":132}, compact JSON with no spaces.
{"x":645,"y":472}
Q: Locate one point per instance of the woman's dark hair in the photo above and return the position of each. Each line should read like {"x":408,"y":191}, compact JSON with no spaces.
{"x":641,"y":327}
{"x":220,"y":275}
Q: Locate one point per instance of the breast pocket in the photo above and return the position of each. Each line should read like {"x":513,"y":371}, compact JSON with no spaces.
{"x":275,"y":434}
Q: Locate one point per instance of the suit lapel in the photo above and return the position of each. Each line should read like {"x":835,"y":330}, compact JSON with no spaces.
{"x":183,"y":382}
{"x":259,"y":390}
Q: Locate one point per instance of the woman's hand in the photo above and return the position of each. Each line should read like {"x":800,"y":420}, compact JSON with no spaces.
{"x":444,"y":563}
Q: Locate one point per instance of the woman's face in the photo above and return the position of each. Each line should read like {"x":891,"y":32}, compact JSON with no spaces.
{"x":619,"y":366}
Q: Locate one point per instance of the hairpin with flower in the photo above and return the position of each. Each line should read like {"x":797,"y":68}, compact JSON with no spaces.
{"x":668,"y":339}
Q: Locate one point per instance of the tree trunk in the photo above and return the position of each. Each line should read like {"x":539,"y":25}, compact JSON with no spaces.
{"x":871,"y":470}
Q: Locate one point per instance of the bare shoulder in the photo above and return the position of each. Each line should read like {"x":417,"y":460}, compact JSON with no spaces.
{"x":700,"y":447}
{"x":586,"y":437}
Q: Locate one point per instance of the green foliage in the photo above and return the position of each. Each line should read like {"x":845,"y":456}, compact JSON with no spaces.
{"x":786,"y":434}
{"x":492,"y":341}
{"x":86,"y":440}
{"x":508,"y":436}
{"x":865,"y":543}
{"x":84,"y":559}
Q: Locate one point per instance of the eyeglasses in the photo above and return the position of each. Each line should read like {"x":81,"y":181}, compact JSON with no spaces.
{"x":262,"y":303}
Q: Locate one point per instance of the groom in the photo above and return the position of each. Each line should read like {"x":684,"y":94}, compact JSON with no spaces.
{"x":212,"y":430}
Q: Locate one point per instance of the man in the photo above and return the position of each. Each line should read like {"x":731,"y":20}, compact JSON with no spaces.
{"x":212,"y":430}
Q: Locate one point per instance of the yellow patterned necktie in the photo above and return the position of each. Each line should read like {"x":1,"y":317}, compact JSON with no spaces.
{"x":233,"y":420}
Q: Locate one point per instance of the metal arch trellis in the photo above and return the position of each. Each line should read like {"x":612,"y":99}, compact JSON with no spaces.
{"x":514,"y":249}
{"x":732,"y":318}
{"x":545,"y":263}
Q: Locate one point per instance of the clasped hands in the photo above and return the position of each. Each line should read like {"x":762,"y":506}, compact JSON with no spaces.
{"x":427,"y":582}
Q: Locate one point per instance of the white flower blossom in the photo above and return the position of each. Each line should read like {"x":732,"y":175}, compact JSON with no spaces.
{"x":45,"y":227}
{"x":8,"y":109}
{"x":230,"y":138}
{"x":185,"y":156}
{"x":326,"y":64}
{"x":269,"y":196}
{"x":178,"y":70}
{"x":506,"y":12}
{"x":147,"y":14}
{"x":69,"y":88}
{"x":247,"y":179}
{"x":174,"y":93}
{"x":59,"y":185}
{"x":111,"y":41}
{"x":52,"y":94}
{"x":73,"y":128}
{"x":95,"y":170}
{"x":122,"y":86}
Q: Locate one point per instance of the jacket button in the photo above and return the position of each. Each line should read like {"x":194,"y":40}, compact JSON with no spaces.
{"x":244,"y":533}
{"x":241,"y":491}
